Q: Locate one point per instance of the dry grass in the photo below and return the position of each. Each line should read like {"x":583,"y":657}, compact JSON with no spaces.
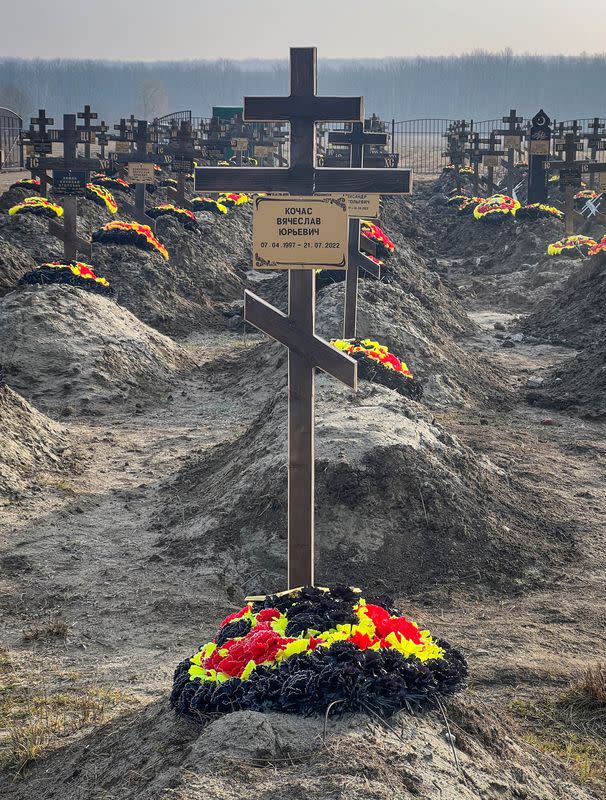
{"x":572,"y":725}
{"x":56,"y":628}
{"x":35,"y":716}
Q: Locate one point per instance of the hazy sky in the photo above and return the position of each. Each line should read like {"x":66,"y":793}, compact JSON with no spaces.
{"x":190,"y":29}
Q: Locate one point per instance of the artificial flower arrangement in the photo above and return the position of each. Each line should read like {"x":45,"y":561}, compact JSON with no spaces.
{"x":456,"y":199}
{"x":39,"y":206}
{"x":466,"y":171}
{"x":578,"y":244}
{"x":385,"y":247}
{"x":538,"y":211}
{"x":521,"y":164}
{"x":303,"y":650}
{"x":76,"y":273}
{"x":101,"y":196}
{"x":168,"y":183}
{"x":376,"y":364}
{"x":118,"y":232}
{"x":183,"y":215}
{"x":116,"y":184}
{"x":496,"y":208}
{"x":208,"y":204}
{"x":584,"y":195}
{"x":469,"y":204}
{"x":232,"y":199}
{"x":225,"y":164}
{"x":599,"y":248}
{"x":26,"y":183}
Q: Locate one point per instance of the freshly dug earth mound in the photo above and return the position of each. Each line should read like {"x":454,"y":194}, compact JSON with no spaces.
{"x":69,"y":349}
{"x":576,"y":317}
{"x":14,"y":263}
{"x":291,"y":757}
{"x":396,"y":499}
{"x":30,"y":235}
{"x":197,"y":287}
{"x":30,"y":444}
{"x":422,"y":333}
{"x":577,"y":385}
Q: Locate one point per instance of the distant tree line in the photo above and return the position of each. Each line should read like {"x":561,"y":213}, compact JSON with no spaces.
{"x":478,"y":85}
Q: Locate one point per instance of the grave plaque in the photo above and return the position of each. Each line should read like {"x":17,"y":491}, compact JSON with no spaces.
{"x":239,"y":144}
{"x":360,"y":205}
{"x":299,"y":232}
{"x":263,"y":150}
{"x":69,"y":181}
{"x":490,"y":160}
{"x":512,"y":142}
{"x":602,"y":181}
{"x":122,"y":147}
{"x":140,"y":172}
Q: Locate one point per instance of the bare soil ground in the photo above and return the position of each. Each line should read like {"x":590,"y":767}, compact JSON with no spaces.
{"x":150,"y":520}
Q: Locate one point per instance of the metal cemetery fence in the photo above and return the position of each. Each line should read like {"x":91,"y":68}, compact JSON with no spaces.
{"x":10,"y":130}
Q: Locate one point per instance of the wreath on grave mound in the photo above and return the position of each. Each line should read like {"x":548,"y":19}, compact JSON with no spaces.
{"x":183,"y":215}
{"x":377,"y":365}
{"x":118,"y":232}
{"x":115,"y":184}
{"x":76,"y":273}
{"x":301,"y":651}
{"x":39,"y":206}
{"x":26,"y":183}
{"x":466,"y":171}
{"x":456,"y":199}
{"x":469,"y":204}
{"x":584,"y":195}
{"x":385,"y":247}
{"x":208,"y":204}
{"x":496,"y":208}
{"x":598,"y":248}
{"x":578,"y":245}
{"x":233,"y":199}
{"x":101,"y":196}
{"x":537,"y":211}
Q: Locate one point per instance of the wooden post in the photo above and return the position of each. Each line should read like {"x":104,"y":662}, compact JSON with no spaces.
{"x":306,"y":351}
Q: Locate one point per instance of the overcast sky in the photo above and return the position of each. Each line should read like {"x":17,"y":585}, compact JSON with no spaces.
{"x":191,"y":29}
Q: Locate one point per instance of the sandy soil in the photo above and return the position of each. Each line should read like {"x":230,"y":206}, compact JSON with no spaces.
{"x":118,"y":545}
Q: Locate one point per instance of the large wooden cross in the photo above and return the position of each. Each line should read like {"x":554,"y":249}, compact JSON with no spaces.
{"x":512,"y":142}
{"x":306,"y":351}
{"x":87,"y":116}
{"x":40,"y":145}
{"x":357,"y":139}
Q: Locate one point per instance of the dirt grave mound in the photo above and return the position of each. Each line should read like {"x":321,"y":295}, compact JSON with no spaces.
{"x":30,"y":444}
{"x":577,"y":385}
{"x":396,"y":499}
{"x":290,"y":756}
{"x":68,"y":349}
{"x":14,"y":263}
{"x":199,"y":286}
{"x":29,"y":234}
{"x":423,"y":333}
{"x":576,"y":317}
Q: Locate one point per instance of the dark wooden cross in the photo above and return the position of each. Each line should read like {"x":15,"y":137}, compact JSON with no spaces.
{"x":88,"y":116}
{"x":72,"y":174}
{"x":183,"y":154}
{"x":596,"y":139}
{"x":457,"y":135}
{"x":356,"y":139}
{"x":41,"y":145}
{"x":513,"y":141}
{"x":474,"y":153}
{"x":539,"y":148}
{"x":102,"y":138}
{"x":571,"y":174}
{"x":490,"y":159}
{"x":306,"y":351}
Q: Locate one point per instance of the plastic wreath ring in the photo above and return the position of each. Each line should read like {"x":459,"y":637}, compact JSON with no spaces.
{"x":208,"y":204}
{"x":39,"y":206}
{"x":76,"y":273}
{"x":572,"y":245}
{"x":496,"y":208}
{"x":377,"y":365}
{"x":385,"y":247}
{"x":26,"y":183}
{"x":469,"y":204}
{"x":299,"y":651}
{"x":183,"y":215}
{"x":233,"y":199}
{"x":118,"y":232}
{"x":115,"y":184}
{"x":537,"y":211}
{"x":457,"y":199}
{"x":101,"y":196}
{"x":598,"y":248}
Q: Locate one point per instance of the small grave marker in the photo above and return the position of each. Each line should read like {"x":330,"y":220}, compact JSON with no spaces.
{"x":539,"y":145}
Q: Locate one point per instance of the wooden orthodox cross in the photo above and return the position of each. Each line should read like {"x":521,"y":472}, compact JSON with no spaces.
{"x":596,"y":140}
{"x":88,"y":116}
{"x":39,"y":145}
{"x":306,"y":351}
{"x":183,"y":154}
{"x":512,"y":141}
{"x":357,"y":139}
